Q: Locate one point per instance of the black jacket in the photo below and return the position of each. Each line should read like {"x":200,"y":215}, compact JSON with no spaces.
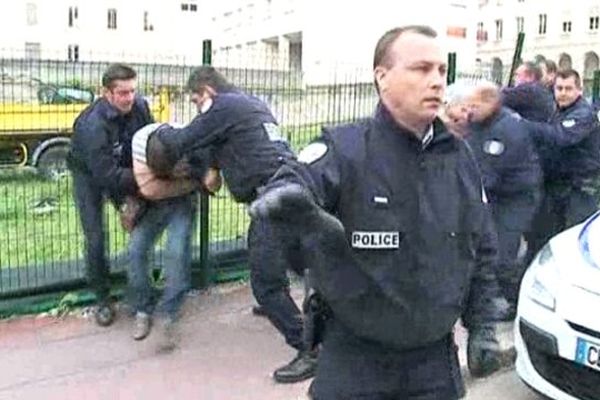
{"x":245,"y":138}
{"x":101,"y":146}
{"x":506,"y":155}
{"x":569,"y":144}
{"x":420,"y":245}
{"x":531,"y":101}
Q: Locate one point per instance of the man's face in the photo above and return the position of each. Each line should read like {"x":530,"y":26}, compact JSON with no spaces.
{"x":522,"y":75}
{"x":412,"y":83}
{"x":121,"y":95}
{"x":547,"y":77}
{"x":566,"y":91}
{"x":481,"y":108}
{"x":202,"y":98}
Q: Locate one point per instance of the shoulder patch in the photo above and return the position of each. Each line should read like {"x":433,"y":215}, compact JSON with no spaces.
{"x":312,"y":152}
{"x":273,"y":132}
{"x":568,"y":123}
{"x":493,"y":147}
{"x":206,"y":106}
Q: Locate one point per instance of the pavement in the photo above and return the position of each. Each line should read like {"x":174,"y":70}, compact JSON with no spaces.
{"x":226,"y":353}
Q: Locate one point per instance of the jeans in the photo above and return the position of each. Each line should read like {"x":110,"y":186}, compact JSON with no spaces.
{"x":90,"y":204}
{"x":176,"y":216}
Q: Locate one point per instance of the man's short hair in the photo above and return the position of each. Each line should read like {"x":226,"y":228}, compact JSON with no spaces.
{"x":568,"y":73}
{"x":117,"y":72}
{"x":382,"y":49}
{"x":533,"y":70}
{"x":551,"y":67}
{"x":207,"y":75}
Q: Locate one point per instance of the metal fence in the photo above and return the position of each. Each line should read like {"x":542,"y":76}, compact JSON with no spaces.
{"x":41,"y":243}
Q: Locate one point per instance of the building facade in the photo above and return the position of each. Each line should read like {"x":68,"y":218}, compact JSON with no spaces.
{"x":154,"y":31}
{"x":332,"y":40}
{"x":565,"y":32}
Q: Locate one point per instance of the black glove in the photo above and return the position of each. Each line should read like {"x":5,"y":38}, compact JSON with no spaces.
{"x":283,"y":201}
{"x":484,"y":356}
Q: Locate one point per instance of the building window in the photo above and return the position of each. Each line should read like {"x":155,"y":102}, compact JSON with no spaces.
{"x":31,"y":14}
{"x":191,"y":7}
{"x":112,"y":18}
{"x":33,"y":51}
{"x":73,"y":52}
{"x":498,"y":29}
{"x":594,"y":22}
{"x":147,"y":25}
{"x":520,"y":24}
{"x":73,"y":15}
{"x":542,"y":24}
{"x":566,"y":26}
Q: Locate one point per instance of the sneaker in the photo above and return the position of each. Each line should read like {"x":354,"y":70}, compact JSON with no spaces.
{"x":302,"y":367}
{"x":104,"y":314}
{"x":142,"y":325}
{"x":168,"y":335}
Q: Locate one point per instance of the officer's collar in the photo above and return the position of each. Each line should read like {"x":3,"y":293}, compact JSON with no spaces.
{"x":109,"y":111}
{"x":435,"y":133}
{"x":572,"y":105}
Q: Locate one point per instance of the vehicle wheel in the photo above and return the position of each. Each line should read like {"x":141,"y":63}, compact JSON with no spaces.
{"x":52,"y":163}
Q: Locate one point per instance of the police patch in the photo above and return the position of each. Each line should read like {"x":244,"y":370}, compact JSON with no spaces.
{"x":493,"y":147}
{"x":206,"y":106}
{"x":312,"y":152}
{"x":273,"y":132}
{"x":376,"y":240}
{"x":569,"y":123}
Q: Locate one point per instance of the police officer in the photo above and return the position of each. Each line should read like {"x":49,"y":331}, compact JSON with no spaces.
{"x":569,"y":146}
{"x":529,"y":97}
{"x":406,"y":245}
{"x":100,"y":162}
{"x":249,"y":149}
{"x":512,"y":178}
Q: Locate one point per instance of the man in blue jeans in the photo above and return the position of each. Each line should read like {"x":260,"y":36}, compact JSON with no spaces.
{"x":170,"y":206}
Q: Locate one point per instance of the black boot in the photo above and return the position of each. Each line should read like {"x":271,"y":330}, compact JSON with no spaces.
{"x":104,"y":314}
{"x":259,"y":311}
{"x":302,"y":367}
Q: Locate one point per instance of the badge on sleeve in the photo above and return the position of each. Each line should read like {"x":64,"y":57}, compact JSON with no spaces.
{"x":206,"y":106}
{"x":312,"y":152}
{"x":568,"y":123}
{"x":273,"y":132}
{"x":493,"y":147}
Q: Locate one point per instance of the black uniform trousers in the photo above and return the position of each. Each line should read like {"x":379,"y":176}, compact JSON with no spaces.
{"x":351,"y":369}
{"x":513,"y":217}
{"x":90,"y":204}
{"x":563,"y":206}
{"x":273,"y":248}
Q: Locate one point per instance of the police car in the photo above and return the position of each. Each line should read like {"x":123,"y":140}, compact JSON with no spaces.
{"x":557,"y":330}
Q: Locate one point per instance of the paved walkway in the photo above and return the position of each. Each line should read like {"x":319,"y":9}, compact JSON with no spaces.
{"x":226,"y":354}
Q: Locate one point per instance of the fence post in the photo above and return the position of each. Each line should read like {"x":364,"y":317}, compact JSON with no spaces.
{"x":516,"y":57}
{"x":205,"y":276}
{"x":596,"y":87}
{"x":451,"y":76}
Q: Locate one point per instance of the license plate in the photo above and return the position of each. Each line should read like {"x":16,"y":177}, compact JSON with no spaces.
{"x":588,"y":354}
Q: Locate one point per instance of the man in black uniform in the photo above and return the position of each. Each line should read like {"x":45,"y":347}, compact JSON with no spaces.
{"x":100,"y":162}
{"x":406,"y":246}
{"x":512,"y":178}
{"x":249,"y":149}
{"x":569,"y":146}
{"x":529,"y":97}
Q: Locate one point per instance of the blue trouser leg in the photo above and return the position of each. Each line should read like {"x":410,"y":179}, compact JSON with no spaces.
{"x":177,"y":256}
{"x":90,"y":203}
